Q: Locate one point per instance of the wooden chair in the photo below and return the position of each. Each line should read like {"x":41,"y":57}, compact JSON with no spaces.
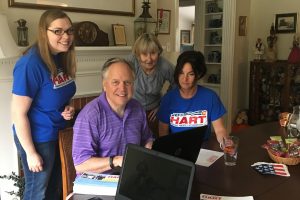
{"x":67,"y":165}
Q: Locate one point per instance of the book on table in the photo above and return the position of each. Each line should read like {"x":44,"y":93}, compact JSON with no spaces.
{"x":96,"y":184}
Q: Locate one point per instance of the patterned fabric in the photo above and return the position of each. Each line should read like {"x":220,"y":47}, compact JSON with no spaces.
{"x":271,"y":168}
{"x":100,"y":132}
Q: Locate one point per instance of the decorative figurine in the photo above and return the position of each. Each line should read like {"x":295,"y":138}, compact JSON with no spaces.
{"x":241,"y":120}
{"x":259,"y":49}
{"x":294,"y":56}
{"x":271,"y":52}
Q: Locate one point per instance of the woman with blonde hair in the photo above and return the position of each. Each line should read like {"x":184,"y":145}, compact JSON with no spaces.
{"x":43,"y":84}
{"x":152,"y":71}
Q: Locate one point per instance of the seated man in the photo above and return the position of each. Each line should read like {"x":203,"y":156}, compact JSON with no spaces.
{"x":109,"y":122}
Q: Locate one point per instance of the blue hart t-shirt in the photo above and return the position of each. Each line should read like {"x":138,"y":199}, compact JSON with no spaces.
{"x":49,"y":94}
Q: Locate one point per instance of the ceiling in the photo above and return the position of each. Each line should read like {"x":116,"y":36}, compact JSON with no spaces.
{"x":186,"y":3}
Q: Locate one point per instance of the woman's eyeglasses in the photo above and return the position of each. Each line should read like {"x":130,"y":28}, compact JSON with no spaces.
{"x":60,"y":32}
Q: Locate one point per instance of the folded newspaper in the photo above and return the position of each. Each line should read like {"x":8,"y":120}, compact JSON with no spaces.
{"x":215,"y":197}
{"x":96,"y":184}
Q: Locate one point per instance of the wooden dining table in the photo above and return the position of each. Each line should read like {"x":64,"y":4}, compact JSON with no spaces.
{"x":242,"y":179}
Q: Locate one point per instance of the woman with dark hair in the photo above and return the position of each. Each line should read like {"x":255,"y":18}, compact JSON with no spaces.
{"x":43,"y":84}
{"x":191,"y":105}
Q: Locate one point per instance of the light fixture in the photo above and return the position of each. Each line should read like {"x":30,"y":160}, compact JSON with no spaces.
{"x":8,"y":47}
{"x":145,"y":23}
{"x":22,"y":33}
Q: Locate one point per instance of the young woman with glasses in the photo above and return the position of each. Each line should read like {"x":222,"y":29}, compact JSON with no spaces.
{"x":43,"y":84}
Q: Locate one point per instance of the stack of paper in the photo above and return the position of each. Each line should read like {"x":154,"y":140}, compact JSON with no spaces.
{"x":207,"y":157}
{"x":96,"y":184}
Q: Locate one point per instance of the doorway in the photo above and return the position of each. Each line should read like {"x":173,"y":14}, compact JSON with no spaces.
{"x":186,"y":23}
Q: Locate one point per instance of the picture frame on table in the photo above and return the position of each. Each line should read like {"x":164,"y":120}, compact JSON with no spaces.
{"x":163,"y":21}
{"x":185,"y":36}
{"x":119,"y":34}
{"x":286,"y":23}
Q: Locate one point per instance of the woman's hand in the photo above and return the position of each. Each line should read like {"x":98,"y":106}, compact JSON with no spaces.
{"x":220,"y":131}
{"x":68,"y":113}
{"x":221,"y":140}
{"x":35,"y":162}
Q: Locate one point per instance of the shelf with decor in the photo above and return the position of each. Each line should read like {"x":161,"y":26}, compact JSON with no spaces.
{"x":212,"y":48}
{"x":274,"y":88}
{"x":214,"y":20}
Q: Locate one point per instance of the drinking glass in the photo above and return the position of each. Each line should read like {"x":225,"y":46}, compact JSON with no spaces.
{"x":230,"y":149}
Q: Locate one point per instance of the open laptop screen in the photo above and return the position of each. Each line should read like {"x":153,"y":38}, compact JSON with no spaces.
{"x":148,"y":174}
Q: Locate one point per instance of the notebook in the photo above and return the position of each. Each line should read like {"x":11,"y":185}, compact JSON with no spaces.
{"x":185,"y":144}
{"x":148,"y":174}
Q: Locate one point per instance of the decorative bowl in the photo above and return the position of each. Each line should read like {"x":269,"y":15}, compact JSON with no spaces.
{"x":286,"y":161}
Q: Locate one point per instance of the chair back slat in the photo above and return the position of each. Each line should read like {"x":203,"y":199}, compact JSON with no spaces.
{"x":67,"y":165}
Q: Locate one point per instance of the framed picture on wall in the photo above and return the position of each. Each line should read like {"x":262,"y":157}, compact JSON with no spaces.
{"x":164,"y":21}
{"x":119,"y":34}
{"x":185,"y":36}
{"x":242,"y":25}
{"x":112,"y":7}
{"x":286,"y":23}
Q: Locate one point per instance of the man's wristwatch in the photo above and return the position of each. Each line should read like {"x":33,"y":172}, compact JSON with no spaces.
{"x":111,"y":162}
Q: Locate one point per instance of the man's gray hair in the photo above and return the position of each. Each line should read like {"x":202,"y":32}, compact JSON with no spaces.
{"x":111,"y":61}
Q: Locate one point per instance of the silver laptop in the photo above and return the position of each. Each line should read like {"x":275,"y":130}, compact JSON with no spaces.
{"x":147,"y":174}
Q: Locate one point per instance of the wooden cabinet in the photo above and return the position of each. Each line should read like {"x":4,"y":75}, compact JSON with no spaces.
{"x":274,"y":88}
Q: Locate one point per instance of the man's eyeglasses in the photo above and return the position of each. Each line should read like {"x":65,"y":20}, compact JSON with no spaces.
{"x":60,"y":32}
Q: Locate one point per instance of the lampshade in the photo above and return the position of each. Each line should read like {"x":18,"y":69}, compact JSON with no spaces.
{"x":8,"y":47}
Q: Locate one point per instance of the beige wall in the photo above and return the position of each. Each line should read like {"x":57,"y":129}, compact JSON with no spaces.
{"x":241,"y":60}
{"x":261,"y":18}
{"x":262,"y":15}
{"x":103,"y":21}
{"x":168,"y":40}
{"x":32,"y":16}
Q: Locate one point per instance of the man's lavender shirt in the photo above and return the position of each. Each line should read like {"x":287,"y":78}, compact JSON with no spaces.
{"x":100,"y":132}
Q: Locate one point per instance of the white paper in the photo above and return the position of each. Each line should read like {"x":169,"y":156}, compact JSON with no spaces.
{"x":207,"y":157}
{"x":215,"y":197}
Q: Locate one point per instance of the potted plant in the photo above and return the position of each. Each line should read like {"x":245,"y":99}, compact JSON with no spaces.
{"x":19,"y":182}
